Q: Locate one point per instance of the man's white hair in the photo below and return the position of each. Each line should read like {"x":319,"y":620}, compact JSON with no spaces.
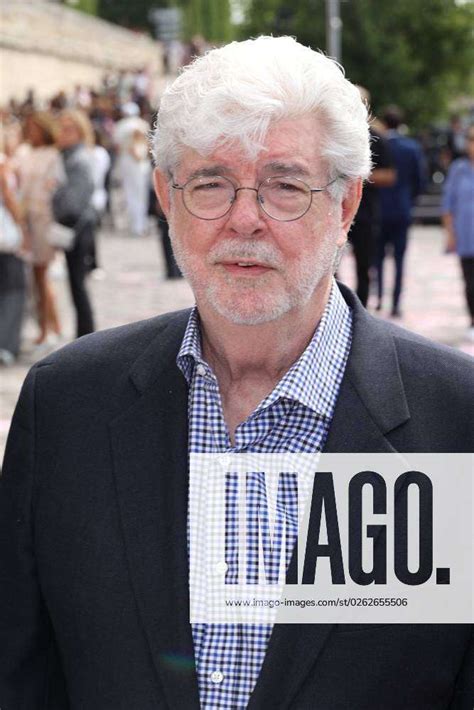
{"x":234,"y":93}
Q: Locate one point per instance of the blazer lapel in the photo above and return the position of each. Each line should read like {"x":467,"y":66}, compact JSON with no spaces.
{"x":372,"y":399}
{"x":371,"y":403}
{"x":149,"y":444}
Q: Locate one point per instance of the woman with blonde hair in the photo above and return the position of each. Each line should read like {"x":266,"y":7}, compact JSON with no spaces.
{"x":72,"y":207}
{"x":41,"y":171}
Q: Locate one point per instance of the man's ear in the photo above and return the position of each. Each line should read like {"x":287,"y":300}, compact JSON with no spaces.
{"x":161,"y":184}
{"x":349,"y":207}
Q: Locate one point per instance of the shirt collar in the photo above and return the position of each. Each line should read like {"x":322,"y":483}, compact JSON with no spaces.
{"x":190,"y":352}
{"x":306,"y":382}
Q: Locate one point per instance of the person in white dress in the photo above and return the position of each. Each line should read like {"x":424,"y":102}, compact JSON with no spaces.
{"x":100,"y":164}
{"x":134,"y":166}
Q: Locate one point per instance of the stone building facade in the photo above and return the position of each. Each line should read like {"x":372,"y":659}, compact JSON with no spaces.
{"x":50,"y":47}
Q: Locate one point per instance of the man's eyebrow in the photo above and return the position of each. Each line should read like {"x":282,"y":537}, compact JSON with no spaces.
{"x":282,"y":168}
{"x":210,"y":171}
{"x":276,"y":167}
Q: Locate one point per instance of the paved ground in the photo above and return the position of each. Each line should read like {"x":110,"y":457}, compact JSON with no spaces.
{"x":133,"y":287}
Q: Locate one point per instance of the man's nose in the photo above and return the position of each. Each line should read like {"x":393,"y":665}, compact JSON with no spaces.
{"x":246,"y":215}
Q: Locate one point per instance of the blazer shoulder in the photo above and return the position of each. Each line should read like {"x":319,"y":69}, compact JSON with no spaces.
{"x":434,"y":365}
{"x":412,"y":342}
{"x":374,"y":340}
{"x":116,"y":349}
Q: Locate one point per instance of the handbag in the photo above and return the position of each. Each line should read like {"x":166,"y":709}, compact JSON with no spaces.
{"x":11,"y":237}
{"x":61,"y":237}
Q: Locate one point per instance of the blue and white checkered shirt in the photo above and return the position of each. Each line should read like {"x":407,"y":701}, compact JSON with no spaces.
{"x":295,"y":417}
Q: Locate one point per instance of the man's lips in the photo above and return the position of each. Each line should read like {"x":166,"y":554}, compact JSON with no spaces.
{"x":243,"y":267}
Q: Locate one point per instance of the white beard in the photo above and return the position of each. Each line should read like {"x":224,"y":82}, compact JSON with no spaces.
{"x":259,"y":303}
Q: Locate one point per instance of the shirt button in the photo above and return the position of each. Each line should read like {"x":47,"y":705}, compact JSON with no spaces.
{"x":201,"y":370}
{"x":217,"y":677}
{"x":221,"y":568}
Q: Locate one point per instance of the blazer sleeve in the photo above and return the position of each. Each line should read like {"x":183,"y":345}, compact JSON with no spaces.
{"x":30,"y":671}
{"x":463,"y":698}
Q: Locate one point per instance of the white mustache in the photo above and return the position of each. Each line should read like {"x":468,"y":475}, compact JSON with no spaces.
{"x":251,"y":250}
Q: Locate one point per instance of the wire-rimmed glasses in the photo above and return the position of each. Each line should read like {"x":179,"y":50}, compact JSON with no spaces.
{"x":282,"y":198}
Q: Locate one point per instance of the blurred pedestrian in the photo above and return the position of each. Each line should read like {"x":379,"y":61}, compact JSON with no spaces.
{"x":366,"y":225}
{"x":41,"y":171}
{"x":101,"y":165}
{"x":458,"y":218}
{"x":12,"y":267}
{"x":141,"y":85}
{"x":134,"y":167}
{"x":172,"y":269}
{"x":456,"y":138}
{"x":100,"y":168}
{"x":72,"y":206}
{"x":396,"y":202}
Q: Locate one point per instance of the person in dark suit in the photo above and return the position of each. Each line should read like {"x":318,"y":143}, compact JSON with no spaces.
{"x":366,"y":225}
{"x":396,"y":202}
{"x":94,"y":604}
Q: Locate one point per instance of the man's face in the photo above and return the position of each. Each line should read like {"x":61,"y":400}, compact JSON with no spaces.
{"x":245,"y":265}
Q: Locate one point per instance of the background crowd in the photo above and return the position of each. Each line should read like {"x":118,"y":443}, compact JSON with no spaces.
{"x":64,"y":160}
{"x":60,"y":160}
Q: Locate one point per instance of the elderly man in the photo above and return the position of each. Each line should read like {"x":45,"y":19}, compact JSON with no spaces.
{"x":261,"y":148}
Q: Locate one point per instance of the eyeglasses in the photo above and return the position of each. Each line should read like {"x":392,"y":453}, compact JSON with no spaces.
{"x":282,"y":198}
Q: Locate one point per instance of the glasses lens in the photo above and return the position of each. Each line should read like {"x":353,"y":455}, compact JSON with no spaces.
{"x":284,"y":198}
{"x":209,"y":197}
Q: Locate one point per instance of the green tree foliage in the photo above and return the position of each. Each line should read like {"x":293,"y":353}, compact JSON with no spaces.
{"x":415,"y":53}
{"x":88,"y":6}
{"x":128,"y":13}
{"x":209,"y":18}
